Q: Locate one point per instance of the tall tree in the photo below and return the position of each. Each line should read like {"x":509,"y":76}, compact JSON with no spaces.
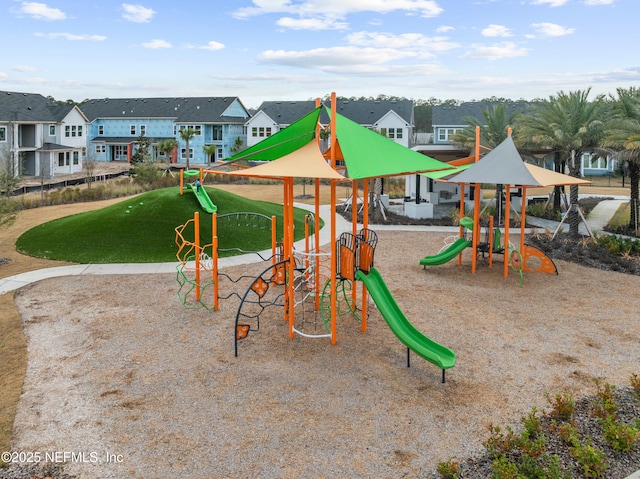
{"x":167,"y":146}
{"x":622,"y":137}
{"x":569,"y":124}
{"x":210,"y":151}
{"x":186,"y":134}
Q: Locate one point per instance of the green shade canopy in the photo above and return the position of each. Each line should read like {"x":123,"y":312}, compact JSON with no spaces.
{"x":440,"y":174}
{"x":368,"y":154}
{"x":283,"y":142}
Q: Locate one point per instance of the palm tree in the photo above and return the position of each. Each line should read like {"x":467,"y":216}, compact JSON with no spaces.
{"x":569,"y":124}
{"x":167,"y":146}
{"x":186,"y":134}
{"x":493,"y":131}
{"x":210,"y":150}
{"x":622,"y":137}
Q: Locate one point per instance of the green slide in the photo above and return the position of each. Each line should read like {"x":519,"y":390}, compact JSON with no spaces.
{"x":447,"y":255}
{"x":405,"y":331}
{"x":203,"y":199}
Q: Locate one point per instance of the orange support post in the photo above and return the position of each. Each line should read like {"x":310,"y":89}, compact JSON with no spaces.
{"x":476,"y":210}
{"x":507,"y":220}
{"x":196,"y":227}
{"x":214,"y":259}
{"x":181,"y":181}
{"x":333,"y":220}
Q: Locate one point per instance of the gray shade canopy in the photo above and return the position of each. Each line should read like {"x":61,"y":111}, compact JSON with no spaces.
{"x":501,"y":166}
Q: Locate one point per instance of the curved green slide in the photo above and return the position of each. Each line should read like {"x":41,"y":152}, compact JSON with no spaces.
{"x":448,"y":254}
{"x":408,"y":335}
{"x":203,"y":199}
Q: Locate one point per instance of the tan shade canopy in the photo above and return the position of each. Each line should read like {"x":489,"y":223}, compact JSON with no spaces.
{"x":551,"y":178}
{"x":305,"y":162}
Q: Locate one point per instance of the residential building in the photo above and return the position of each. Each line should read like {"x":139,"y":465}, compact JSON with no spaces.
{"x":41,"y":137}
{"x":392,"y":118}
{"x":115,"y":124}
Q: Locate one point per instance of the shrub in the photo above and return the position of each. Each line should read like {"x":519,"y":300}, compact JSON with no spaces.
{"x":621,"y":437}
{"x":562,"y":405}
{"x":449,"y":469}
{"x":590,"y":458}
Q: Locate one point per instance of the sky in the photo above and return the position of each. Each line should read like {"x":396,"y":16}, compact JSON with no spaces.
{"x":269,"y":50}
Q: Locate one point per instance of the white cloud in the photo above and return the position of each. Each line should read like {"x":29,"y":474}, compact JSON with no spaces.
{"x":339,"y":8}
{"x":41,"y":11}
{"x":311,"y":23}
{"x":73,"y":36}
{"x":496,"y":31}
{"x":444,"y":29}
{"x":410,"y":41}
{"x":24,"y":68}
{"x":156,"y":44}
{"x":551,"y":29}
{"x":334,"y":56}
{"x":212,"y":46}
{"x":495,"y":51}
{"x":551,"y":3}
{"x":137,"y":13}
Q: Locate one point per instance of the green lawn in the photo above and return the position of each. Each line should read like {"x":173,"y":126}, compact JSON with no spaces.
{"x":142,"y":229}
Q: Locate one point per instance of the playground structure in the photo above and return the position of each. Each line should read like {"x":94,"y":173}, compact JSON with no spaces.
{"x":503,"y":165}
{"x":313,"y":286}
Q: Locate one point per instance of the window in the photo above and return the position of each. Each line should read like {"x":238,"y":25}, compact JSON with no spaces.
{"x":143,"y":129}
{"x":121,"y":152}
{"x":217,"y":132}
{"x":63,"y":158}
{"x":79,"y":130}
{"x":196,"y":128}
{"x":445,"y":133}
{"x":133,"y":130}
{"x":254,"y":131}
{"x":3,"y":133}
{"x":594,"y":162}
{"x":219,"y":153}
{"x":398,"y":133}
{"x":100,"y":129}
{"x":74,"y":131}
{"x":183,"y":153}
{"x":67,"y":131}
{"x":52,"y":130}
{"x":75,"y":158}
{"x":268,"y":131}
{"x":101,"y":149}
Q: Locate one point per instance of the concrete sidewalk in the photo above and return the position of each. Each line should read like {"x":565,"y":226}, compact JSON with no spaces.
{"x":597,"y":219}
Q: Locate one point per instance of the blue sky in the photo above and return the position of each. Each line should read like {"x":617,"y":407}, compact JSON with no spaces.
{"x":302,"y":49}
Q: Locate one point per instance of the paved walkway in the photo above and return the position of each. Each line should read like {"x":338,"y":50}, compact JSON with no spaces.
{"x":597,"y":219}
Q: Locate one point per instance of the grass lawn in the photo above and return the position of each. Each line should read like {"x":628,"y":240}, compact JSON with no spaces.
{"x":142,"y":229}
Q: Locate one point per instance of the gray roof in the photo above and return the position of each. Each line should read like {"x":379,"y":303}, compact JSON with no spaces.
{"x":30,"y":107}
{"x":368,"y":112}
{"x":454,"y":115}
{"x":178,"y":109}
{"x":286,"y":112}
{"x":363,"y":112}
